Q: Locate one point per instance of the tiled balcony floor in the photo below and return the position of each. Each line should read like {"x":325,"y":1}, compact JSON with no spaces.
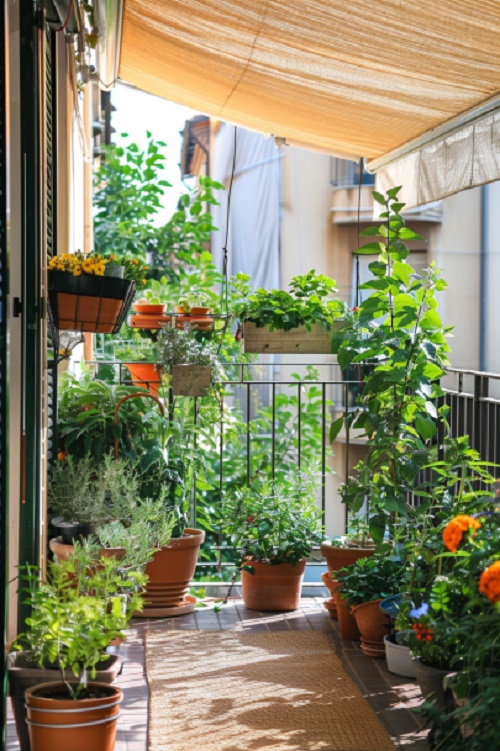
{"x":391,"y":697}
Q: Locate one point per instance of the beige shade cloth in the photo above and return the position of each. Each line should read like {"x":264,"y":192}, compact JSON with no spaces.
{"x":358,"y":78}
{"x":241,"y":691}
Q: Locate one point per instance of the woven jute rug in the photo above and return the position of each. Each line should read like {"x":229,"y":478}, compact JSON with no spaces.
{"x":241,"y":691}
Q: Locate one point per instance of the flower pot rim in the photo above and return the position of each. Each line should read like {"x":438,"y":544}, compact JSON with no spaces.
{"x":362,"y":604}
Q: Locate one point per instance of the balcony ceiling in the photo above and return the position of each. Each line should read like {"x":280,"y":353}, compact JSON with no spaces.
{"x":373,"y":79}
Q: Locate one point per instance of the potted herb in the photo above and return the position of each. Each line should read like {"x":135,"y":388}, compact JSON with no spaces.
{"x":75,"y":614}
{"x":189,"y":363}
{"x":363,"y":586}
{"x":274,"y":530}
{"x":83,"y":298}
{"x":302,"y":320}
{"x":82,"y":494}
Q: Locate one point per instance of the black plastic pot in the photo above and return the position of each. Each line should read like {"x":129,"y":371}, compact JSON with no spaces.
{"x":71,"y":532}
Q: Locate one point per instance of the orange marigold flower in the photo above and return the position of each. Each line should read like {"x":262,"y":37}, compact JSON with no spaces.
{"x":489,"y":582}
{"x":452,"y":535}
{"x":134,"y":260}
{"x":466,"y":522}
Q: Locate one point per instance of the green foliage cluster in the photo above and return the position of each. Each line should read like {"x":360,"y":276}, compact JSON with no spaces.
{"x":76,"y":612}
{"x":310,"y":300}
{"x":398,"y":329}
{"x":278,"y":524}
{"x":372,"y":578}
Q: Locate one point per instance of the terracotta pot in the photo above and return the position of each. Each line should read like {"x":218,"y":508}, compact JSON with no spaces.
{"x":430,"y":680}
{"x":92,"y":722}
{"x":273,"y":587}
{"x":337,"y":558}
{"x":330,"y":583}
{"x":62,"y":551}
{"x":145,"y":375}
{"x":22,"y":674}
{"x":200,"y":311}
{"x":347,"y":623}
{"x":372,"y":624}
{"x":171,"y":571}
{"x":149,"y":310}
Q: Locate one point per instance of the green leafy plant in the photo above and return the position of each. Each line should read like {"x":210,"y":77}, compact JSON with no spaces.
{"x":397,"y":329}
{"x":371,"y":578}
{"x":76,"y":612}
{"x":279,"y":524}
{"x":310,"y":300}
{"x":82,"y":491}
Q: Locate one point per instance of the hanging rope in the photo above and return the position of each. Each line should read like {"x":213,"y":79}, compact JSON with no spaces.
{"x":360,"y":180}
{"x":224,"y":290}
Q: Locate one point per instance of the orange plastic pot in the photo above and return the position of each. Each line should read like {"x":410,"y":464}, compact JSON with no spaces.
{"x":58,"y":724}
{"x":171,"y":570}
{"x":347,"y":623}
{"x":144,"y":375}
{"x":272,"y":587}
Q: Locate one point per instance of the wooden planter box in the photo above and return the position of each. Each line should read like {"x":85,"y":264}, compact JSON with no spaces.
{"x":317,"y":341}
{"x":191,"y":380}
{"x":96,"y":304}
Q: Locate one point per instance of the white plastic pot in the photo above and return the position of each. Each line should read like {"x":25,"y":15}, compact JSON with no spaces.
{"x":398,"y":658}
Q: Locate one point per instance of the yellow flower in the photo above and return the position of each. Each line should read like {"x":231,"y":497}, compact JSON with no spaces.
{"x":77,"y":271}
{"x":146,"y":268}
{"x":143,"y":281}
{"x":134,"y":260}
{"x":99,"y":269}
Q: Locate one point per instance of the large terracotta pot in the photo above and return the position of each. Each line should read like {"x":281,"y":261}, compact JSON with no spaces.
{"x":337,"y":558}
{"x":171,"y":571}
{"x":272,"y":587}
{"x":144,"y":375}
{"x":23,"y":674}
{"x":347,"y":623}
{"x":91,"y":722}
{"x":373,"y":626}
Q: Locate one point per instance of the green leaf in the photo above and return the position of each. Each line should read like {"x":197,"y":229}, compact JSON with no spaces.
{"x":377,"y":527}
{"x":378,"y":197}
{"x":370,"y":249}
{"x":426,"y":427}
{"x":335,"y":428}
{"x":406,"y":233}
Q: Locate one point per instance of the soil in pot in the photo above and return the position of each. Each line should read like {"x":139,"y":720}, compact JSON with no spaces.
{"x":272,"y":587}
{"x":91,"y":721}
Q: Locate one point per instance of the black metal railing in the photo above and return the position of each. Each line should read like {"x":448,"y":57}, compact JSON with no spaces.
{"x":260,"y":393}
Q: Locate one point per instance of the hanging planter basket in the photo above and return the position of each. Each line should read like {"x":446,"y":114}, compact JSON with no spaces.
{"x":191,"y":380}
{"x":316,"y":341}
{"x":97,"y":304}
